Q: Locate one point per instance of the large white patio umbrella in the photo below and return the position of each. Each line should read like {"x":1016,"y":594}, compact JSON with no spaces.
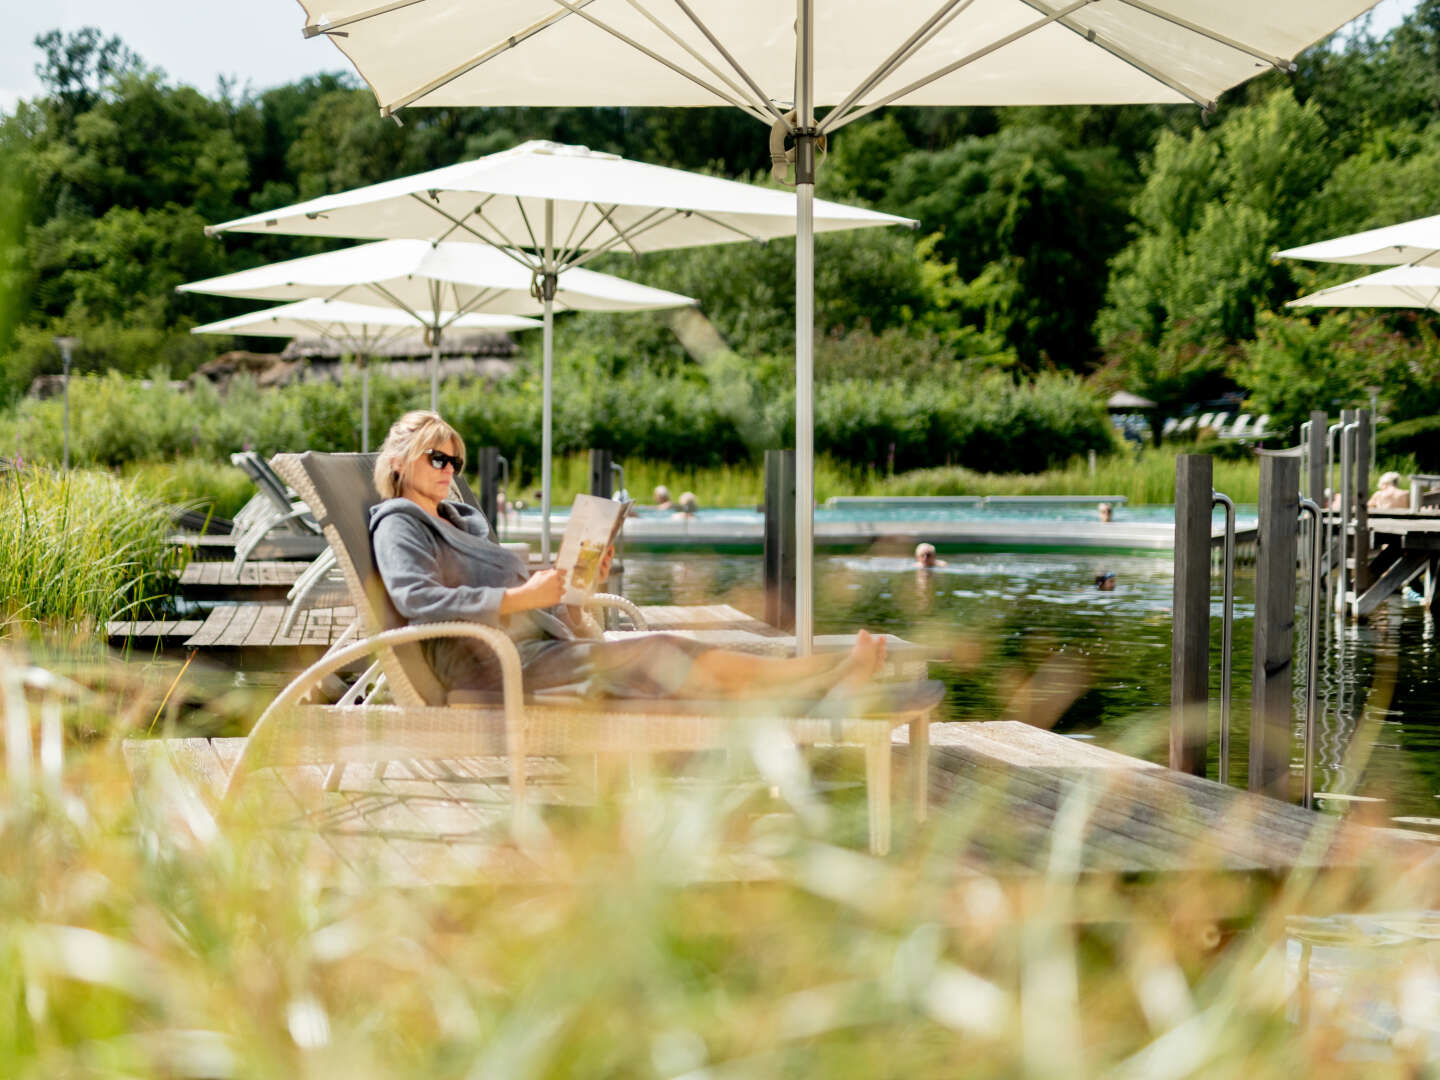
{"x":358,"y":328}
{"x":1411,"y":243}
{"x":434,"y":283}
{"x":1398,"y":287}
{"x":780,"y":63}
{"x":551,"y":208}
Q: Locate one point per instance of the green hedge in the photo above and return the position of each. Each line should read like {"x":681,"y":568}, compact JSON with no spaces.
{"x":724,"y":413}
{"x":1418,"y":438}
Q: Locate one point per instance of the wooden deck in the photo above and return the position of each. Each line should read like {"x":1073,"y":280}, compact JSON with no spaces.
{"x":230,"y":627}
{"x":1005,"y":791}
{"x":1405,"y":547}
{"x":256,"y":581}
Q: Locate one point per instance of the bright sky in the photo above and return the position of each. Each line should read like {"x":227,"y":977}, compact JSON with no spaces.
{"x":197,"y":41}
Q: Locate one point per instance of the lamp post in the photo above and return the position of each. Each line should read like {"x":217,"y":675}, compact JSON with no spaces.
{"x":66,"y":344}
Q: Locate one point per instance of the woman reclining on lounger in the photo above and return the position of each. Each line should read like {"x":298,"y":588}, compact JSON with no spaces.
{"x":438,"y":563}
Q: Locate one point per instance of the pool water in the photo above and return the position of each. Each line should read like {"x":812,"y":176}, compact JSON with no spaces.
{"x":1151,"y":514}
{"x":1100,"y":661}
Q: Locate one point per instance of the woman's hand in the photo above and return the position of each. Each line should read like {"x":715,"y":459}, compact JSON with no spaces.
{"x":544,"y":589}
{"x":603,"y":574}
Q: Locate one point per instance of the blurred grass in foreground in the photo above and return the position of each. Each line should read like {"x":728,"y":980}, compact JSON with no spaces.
{"x":152,"y":945}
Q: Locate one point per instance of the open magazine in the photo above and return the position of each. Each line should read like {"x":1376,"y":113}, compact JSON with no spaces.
{"x":594,"y":524}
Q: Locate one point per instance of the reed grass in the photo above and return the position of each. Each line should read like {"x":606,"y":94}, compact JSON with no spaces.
{"x":81,"y":548}
{"x":203,"y":483}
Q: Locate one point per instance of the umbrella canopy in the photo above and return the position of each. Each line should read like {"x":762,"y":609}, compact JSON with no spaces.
{"x":781,"y":63}
{"x":1399,"y":286}
{"x":586,"y":202}
{"x":1413,"y":243}
{"x":359,"y":325}
{"x":1123,"y":401}
{"x":417,"y":279}
{"x":548,"y":208}
{"x":745,"y":52}
{"x":358,"y":328}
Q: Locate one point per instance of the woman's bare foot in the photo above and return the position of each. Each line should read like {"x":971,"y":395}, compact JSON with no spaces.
{"x":866,"y":659}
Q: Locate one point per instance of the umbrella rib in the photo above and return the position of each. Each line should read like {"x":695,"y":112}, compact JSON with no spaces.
{"x":504,"y":247}
{"x":727,"y":225}
{"x":635,"y":230}
{"x":481,"y":58}
{"x":1123,"y":55}
{"x":619,"y":232}
{"x":1195,"y":28}
{"x":743,"y":105}
{"x":571,"y":252}
{"x":964,"y":61}
{"x":922,"y":37}
{"x":745,"y":75}
{"x":713,"y":68}
{"x":383,"y":291}
{"x":534,"y":244}
{"x":315,"y":29}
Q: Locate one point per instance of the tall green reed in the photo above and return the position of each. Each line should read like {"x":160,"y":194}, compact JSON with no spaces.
{"x":80,"y":548}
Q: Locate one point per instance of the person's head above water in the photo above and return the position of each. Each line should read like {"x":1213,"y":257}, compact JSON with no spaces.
{"x":419,"y":456}
{"x":1106,"y":511}
{"x":1105,"y":581}
{"x":925,"y":555}
{"x":688,"y":504}
{"x":661,"y":494}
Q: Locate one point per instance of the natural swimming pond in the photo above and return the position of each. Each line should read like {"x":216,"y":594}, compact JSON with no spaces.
{"x":1037,"y":621}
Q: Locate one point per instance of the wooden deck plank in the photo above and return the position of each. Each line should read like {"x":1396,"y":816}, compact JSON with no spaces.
{"x":215,"y":623}
{"x":266,"y":626}
{"x":238,"y":629}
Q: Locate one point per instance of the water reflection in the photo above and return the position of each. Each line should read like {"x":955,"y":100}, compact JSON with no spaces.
{"x":1005,"y":615}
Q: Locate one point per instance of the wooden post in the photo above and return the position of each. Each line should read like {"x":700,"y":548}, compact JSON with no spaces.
{"x":602,"y":481}
{"x":487,"y":476}
{"x":780,"y":538}
{"x":1361,"y":547}
{"x":1274,"y":625}
{"x":1190,"y":637}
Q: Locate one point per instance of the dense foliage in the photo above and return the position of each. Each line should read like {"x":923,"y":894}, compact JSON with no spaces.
{"x":721,"y":414}
{"x":1131,"y":245}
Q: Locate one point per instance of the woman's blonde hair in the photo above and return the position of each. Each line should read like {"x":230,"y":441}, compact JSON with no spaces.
{"x":411,"y":437}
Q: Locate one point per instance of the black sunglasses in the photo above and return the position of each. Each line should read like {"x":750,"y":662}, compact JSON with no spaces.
{"x":439,"y":459}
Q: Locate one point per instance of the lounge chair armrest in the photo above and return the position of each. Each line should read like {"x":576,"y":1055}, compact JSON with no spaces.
{"x":612,"y":600}
{"x":308,"y":680}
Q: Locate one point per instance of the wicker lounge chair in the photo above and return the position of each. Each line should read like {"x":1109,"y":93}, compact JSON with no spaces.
{"x":418,"y":720}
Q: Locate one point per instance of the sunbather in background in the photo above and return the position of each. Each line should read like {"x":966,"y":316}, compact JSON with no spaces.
{"x":438,"y":563}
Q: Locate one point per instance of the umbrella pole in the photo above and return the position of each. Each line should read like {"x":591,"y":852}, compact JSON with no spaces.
{"x":364,"y":404}
{"x":547,"y":292}
{"x":435,"y":372}
{"x":805,"y":332}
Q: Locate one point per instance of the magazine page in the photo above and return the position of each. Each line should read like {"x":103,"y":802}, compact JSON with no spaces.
{"x":594,"y":524}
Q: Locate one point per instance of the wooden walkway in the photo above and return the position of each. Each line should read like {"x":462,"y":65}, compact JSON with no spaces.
{"x":1405,"y":546}
{"x":257,"y":626}
{"x":256,"y":581}
{"x":1002,"y":789}
{"x":240,"y":626}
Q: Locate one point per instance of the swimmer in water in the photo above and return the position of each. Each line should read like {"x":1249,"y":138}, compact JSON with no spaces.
{"x":925,"y":557}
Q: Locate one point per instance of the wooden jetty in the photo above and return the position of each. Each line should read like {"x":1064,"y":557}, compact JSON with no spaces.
{"x":442,"y":823}
{"x":1404,"y":545}
{"x":255,"y":581}
{"x":277,"y":545}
